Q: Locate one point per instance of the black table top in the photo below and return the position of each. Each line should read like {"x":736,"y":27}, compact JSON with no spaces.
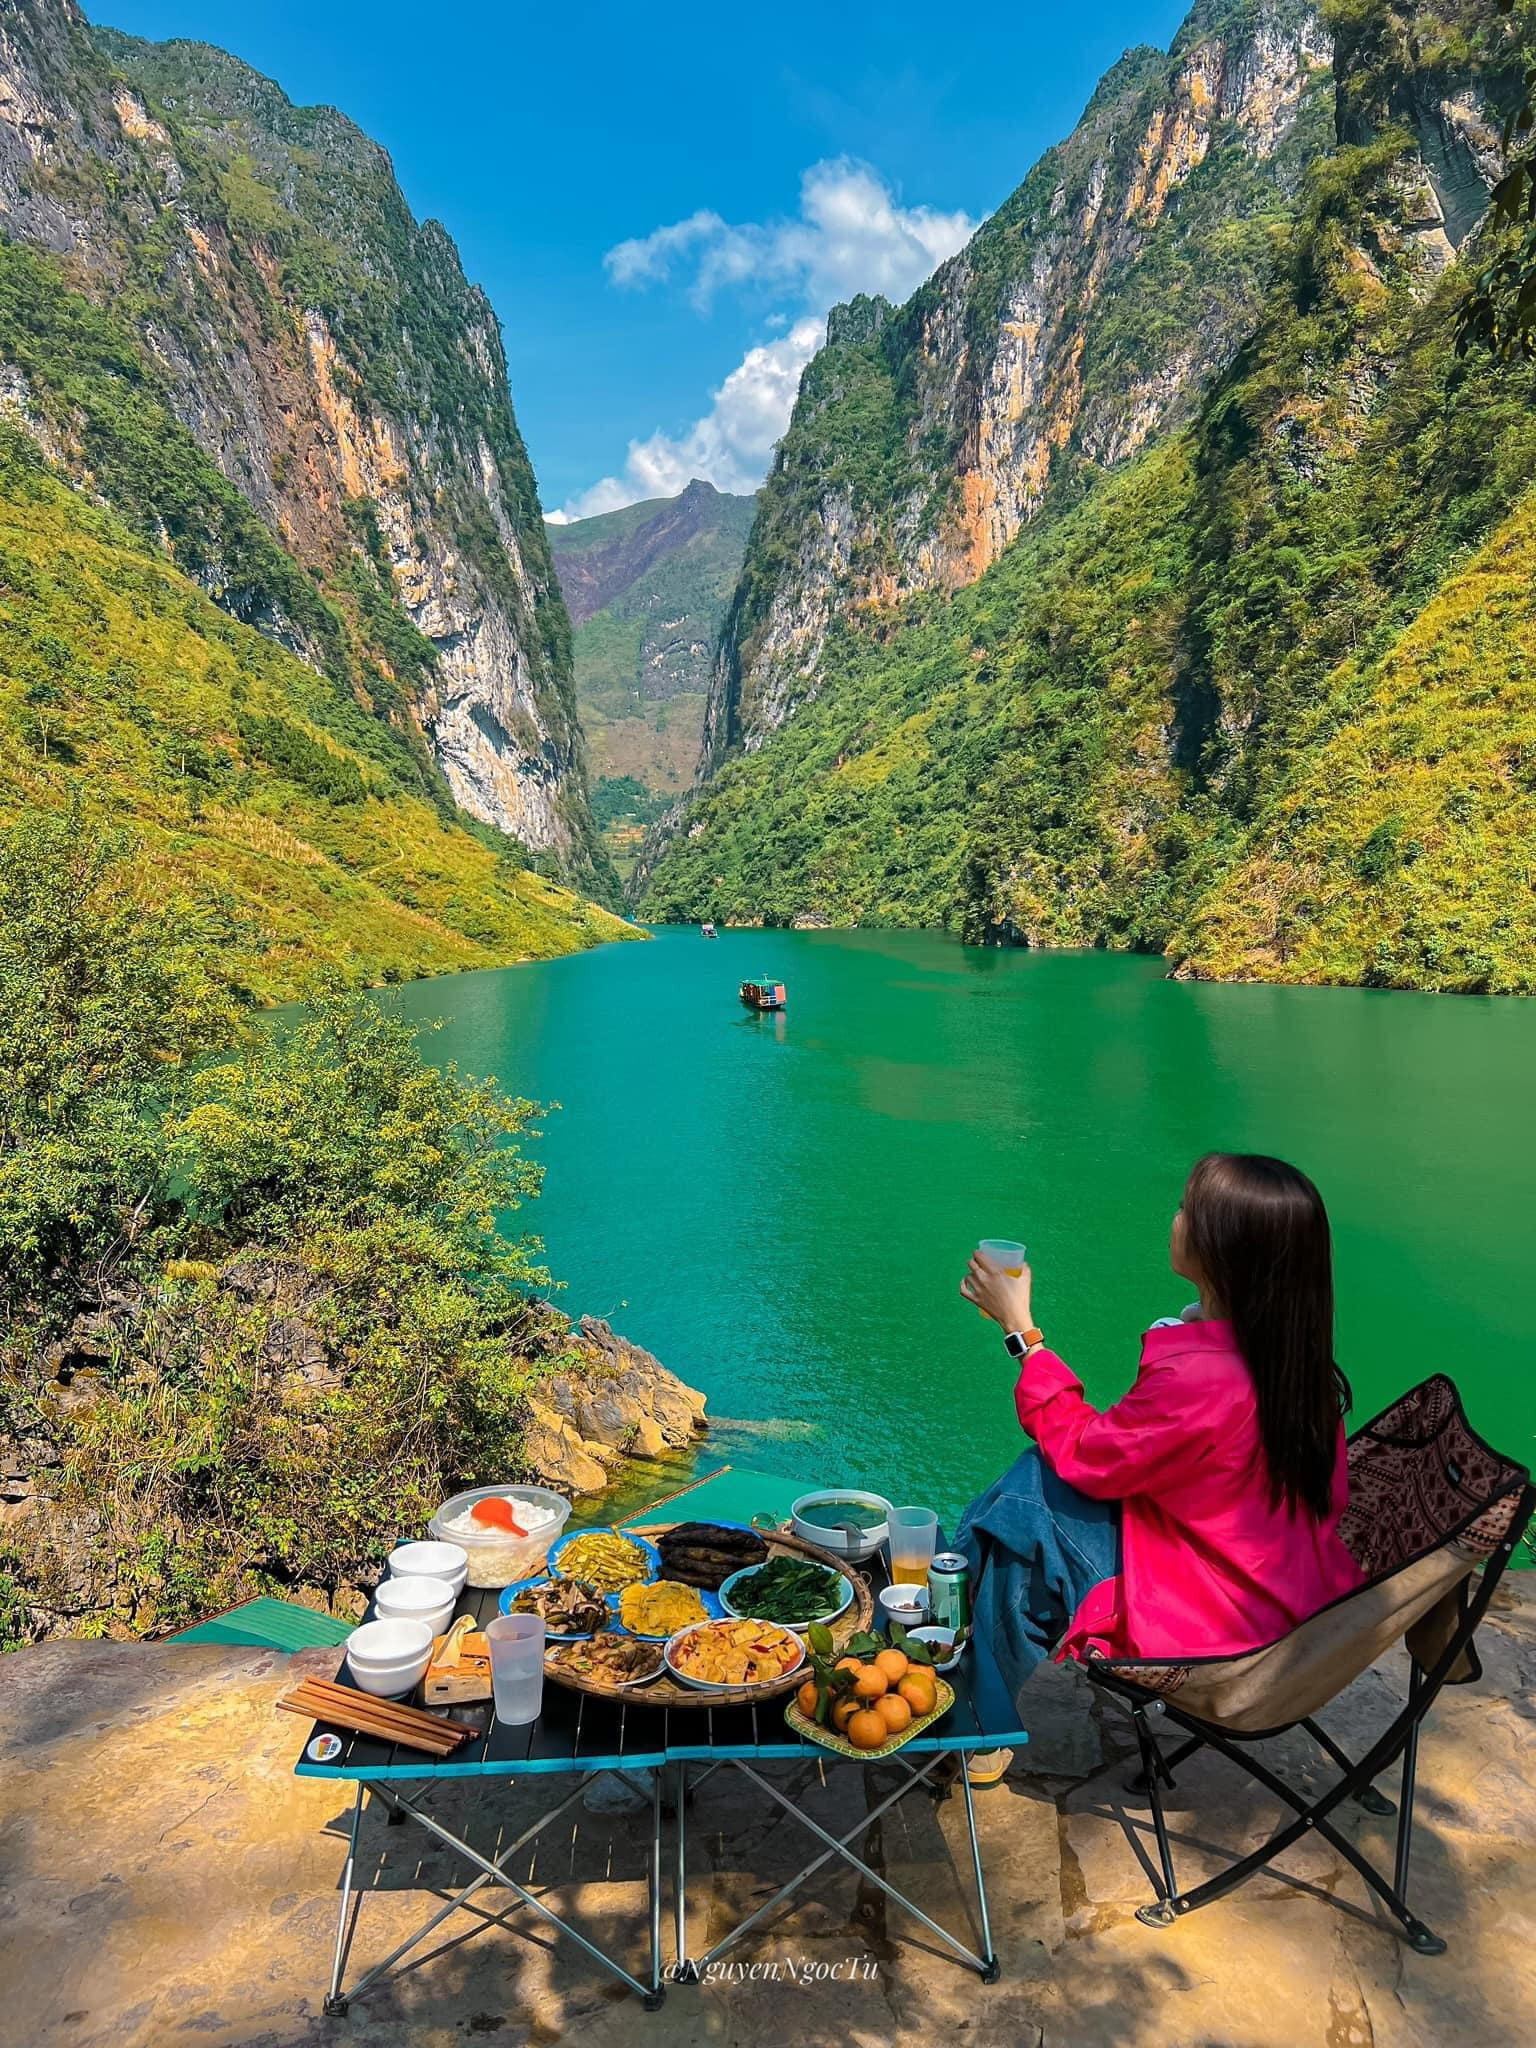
{"x":577,"y":1732}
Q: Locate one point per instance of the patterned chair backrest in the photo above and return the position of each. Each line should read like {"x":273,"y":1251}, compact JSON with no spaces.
{"x":1418,"y":1476}
{"x":1428,"y":1500}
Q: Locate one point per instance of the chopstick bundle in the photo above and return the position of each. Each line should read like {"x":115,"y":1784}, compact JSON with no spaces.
{"x":322,"y":1699}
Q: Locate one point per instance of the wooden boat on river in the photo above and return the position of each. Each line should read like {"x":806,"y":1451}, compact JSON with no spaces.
{"x":707,"y":930}
{"x":763,"y":995}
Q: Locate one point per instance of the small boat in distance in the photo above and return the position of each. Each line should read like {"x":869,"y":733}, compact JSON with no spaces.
{"x":763,"y":995}
{"x":707,"y":930}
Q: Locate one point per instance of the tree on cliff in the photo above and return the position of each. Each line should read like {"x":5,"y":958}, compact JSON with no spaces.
{"x":257,"y":1309}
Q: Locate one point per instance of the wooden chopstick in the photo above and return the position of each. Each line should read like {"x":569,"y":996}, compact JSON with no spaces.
{"x":344,"y":1697}
{"x":364,"y":1714}
{"x":364,"y":1724}
{"x":392,"y":1710}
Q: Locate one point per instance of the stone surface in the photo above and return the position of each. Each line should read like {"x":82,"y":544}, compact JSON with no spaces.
{"x":164,"y":1877}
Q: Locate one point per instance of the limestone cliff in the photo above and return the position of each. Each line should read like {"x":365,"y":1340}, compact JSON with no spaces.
{"x":326,"y":350}
{"x":1082,"y":319}
{"x":1255,"y":694}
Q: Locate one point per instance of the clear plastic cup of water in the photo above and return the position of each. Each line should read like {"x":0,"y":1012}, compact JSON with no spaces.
{"x":517,"y":1667}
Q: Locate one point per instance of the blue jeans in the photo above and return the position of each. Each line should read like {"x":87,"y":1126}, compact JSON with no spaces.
{"x":1036,"y":1547}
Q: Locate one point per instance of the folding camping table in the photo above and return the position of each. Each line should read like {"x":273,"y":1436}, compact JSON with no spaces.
{"x":578,"y":1735}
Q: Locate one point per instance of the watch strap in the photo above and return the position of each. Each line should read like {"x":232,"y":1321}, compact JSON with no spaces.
{"x":1020,"y":1342}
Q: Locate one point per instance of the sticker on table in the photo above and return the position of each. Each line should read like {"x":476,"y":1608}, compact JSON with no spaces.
{"x":323,"y":1748}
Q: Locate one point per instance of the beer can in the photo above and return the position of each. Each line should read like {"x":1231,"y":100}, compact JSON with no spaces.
{"x":949,"y":1591}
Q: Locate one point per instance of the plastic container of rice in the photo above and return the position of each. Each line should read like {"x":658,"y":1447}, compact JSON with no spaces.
{"x":505,"y":1542}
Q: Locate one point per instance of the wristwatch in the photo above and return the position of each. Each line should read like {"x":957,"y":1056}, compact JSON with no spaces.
{"x":1022,"y":1342}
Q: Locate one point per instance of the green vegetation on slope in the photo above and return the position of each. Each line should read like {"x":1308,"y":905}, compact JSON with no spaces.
{"x":125,"y":692}
{"x":1231,"y":705}
{"x":256,"y":1307}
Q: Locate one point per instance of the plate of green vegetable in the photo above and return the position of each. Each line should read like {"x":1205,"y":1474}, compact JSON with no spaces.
{"x":793,"y":1591}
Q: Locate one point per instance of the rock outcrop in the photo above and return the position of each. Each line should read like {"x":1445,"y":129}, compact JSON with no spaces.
{"x":1082,"y":319}
{"x":596,"y":1402}
{"x":582,"y":1427}
{"x":326,"y":351}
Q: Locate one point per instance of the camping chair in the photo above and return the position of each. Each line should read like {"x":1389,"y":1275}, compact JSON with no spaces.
{"x":1429,"y":1503}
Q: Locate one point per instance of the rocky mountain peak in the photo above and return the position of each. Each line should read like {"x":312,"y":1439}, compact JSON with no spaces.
{"x":326,"y":351}
{"x":1082,"y":318}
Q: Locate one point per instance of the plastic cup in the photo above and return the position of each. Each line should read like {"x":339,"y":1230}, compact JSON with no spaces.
{"x":914,"y":1534}
{"x":517,"y":1667}
{"x":1003,"y":1255}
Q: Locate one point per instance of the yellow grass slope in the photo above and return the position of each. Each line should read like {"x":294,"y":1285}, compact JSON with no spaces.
{"x":1404,"y":854}
{"x":248,"y":778}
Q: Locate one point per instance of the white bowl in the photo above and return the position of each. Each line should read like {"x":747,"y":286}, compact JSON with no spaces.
{"x":906,"y":1604}
{"x":445,"y":1561}
{"x":497,"y":1559}
{"x":412,"y":1599}
{"x":941,"y":1644}
{"x":389,"y":1657}
{"x":714,"y":1685}
{"x":843,"y":1543}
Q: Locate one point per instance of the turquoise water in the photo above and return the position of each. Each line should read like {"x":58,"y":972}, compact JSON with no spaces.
{"x":781,"y":1206}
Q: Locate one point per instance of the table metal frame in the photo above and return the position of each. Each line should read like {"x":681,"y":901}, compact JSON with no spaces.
{"x":581,"y":1736}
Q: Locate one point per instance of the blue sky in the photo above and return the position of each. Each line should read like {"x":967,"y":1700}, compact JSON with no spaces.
{"x":663,"y":201}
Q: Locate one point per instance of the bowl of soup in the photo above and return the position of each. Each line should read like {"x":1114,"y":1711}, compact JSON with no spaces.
{"x":849,"y":1522}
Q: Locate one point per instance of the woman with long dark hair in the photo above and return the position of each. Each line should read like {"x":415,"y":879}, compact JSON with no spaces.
{"x":1199,"y":1515}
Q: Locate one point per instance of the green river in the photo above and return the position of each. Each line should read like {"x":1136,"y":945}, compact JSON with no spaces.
{"x":781,"y":1206}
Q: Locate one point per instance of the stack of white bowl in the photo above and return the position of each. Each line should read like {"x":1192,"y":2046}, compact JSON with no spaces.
{"x":413,"y":1605}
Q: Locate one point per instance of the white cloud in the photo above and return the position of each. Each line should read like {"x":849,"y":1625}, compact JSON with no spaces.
{"x":730,"y":446}
{"x":851,"y":236}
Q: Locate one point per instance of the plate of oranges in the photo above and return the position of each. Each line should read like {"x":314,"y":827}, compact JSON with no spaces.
{"x":869,"y":1700}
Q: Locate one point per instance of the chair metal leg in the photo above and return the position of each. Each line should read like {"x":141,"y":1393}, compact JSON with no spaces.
{"x":1367,"y":1797}
{"x":1154,"y":1770}
{"x":1425,"y":1942}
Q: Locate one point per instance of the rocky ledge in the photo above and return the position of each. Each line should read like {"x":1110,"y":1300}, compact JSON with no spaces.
{"x":73,"y":1563}
{"x":624,"y":1404}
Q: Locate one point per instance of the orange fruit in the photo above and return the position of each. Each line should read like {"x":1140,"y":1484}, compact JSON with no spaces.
{"x":843,"y":1711}
{"x":847,"y":1664}
{"x":867,"y":1729}
{"x":894,"y":1663}
{"x":918,"y":1690}
{"x":869,"y":1682}
{"x":805,"y":1699}
{"x":894,"y":1712}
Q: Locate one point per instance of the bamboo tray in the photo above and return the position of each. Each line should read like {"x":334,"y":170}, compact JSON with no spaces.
{"x":802,"y":1724}
{"x":666,"y":1691}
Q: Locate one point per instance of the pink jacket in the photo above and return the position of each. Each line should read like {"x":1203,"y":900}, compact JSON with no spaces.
{"x":1208,"y":1567}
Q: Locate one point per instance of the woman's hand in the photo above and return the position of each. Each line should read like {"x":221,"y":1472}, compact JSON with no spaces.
{"x":1002,"y":1296}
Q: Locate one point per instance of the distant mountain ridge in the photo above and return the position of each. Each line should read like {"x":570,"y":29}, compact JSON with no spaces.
{"x":647,"y":588}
